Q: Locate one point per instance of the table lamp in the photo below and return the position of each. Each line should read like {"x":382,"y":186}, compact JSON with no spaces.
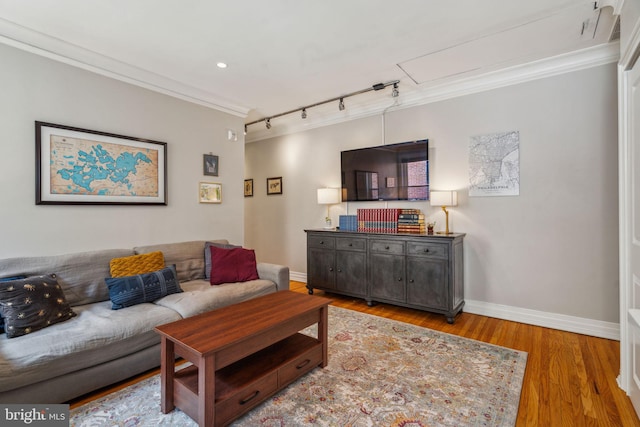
{"x":328,"y":196}
{"x":444,"y":199}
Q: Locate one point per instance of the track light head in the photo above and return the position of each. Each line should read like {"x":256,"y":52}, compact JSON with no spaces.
{"x":304,"y":113}
{"x":267,"y":123}
{"x":395,"y":93}
{"x":379,"y":86}
{"x":341,"y":104}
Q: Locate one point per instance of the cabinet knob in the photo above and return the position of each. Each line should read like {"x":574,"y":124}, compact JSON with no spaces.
{"x":386,"y":247}
{"x":399,"y":279}
{"x":322,"y":242}
{"x":426,"y":250}
{"x":339,"y":270}
{"x":410,"y":280}
{"x":330,"y":268}
{"x":350,"y":244}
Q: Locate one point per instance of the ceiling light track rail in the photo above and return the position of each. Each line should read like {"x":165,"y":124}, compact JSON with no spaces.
{"x":341,"y":107}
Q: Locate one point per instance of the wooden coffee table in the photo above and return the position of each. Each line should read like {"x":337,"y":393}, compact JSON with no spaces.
{"x":241,"y":354}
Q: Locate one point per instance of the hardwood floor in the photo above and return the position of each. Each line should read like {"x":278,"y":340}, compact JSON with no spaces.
{"x":570,"y":378}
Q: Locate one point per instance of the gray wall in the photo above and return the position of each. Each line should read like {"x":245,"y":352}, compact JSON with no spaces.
{"x":554,"y":248}
{"x":35,"y":88}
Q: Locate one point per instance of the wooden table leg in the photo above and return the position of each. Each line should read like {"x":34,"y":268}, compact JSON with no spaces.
{"x":206,"y":391}
{"x":167,"y":371}
{"x":323,"y":326}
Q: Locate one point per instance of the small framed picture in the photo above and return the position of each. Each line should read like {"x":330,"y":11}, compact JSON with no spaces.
{"x":391,"y":182}
{"x":248,"y":188}
{"x":210,"y":165}
{"x":210,"y":192}
{"x":274,"y":185}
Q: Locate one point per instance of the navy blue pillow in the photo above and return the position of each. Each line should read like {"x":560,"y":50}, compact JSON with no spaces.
{"x":7,"y":279}
{"x":148,"y":287}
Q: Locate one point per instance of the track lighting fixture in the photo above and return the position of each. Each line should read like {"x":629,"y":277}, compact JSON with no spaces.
{"x":303,"y":110}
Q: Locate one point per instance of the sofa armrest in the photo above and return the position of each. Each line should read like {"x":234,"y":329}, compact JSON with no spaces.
{"x":276,"y":273}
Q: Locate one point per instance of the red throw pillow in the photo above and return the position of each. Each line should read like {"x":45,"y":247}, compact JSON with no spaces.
{"x":232,"y":265}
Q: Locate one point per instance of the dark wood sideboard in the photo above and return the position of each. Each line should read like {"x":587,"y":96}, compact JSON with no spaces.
{"x":424,"y":272}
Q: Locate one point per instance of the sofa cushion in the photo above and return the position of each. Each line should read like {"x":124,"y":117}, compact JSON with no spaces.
{"x":199,"y":296}
{"x":207,"y":255}
{"x":31,"y":304}
{"x":232,"y":265}
{"x":148,"y":287}
{"x":136,"y":264}
{"x":96,"y":335}
{"x":188,"y":257}
{"x":81,"y":275}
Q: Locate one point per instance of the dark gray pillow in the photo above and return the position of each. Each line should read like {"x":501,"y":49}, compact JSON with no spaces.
{"x":31,"y":304}
{"x":6,"y":279}
{"x":148,"y":287}
{"x":207,"y":256}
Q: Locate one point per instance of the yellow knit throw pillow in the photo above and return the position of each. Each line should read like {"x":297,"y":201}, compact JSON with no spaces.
{"x":136,"y":264}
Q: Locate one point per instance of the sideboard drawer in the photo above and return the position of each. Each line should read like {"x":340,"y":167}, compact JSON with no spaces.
{"x":351,"y":244}
{"x":319,"y":241}
{"x":432,"y":250}
{"x":387,"y":246}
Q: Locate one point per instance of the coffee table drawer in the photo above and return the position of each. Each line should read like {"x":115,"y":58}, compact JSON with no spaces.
{"x":246,"y":398}
{"x":300,"y":365}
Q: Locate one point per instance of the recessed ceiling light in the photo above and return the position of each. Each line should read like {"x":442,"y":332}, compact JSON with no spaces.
{"x":221,"y":65}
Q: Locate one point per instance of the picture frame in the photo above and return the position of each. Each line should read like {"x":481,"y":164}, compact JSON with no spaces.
{"x":76,"y":166}
{"x":210,"y":192}
{"x":248,"y":188}
{"x":210,"y":165}
{"x":274,"y":185}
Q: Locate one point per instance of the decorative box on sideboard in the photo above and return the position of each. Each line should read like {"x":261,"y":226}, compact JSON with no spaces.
{"x":419,"y":271}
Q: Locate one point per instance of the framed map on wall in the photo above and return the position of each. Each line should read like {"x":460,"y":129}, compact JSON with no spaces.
{"x":494,"y":164}
{"x":81,"y":166}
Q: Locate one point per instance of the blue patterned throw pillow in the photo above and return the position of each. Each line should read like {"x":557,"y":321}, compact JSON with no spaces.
{"x":148,"y":287}
{"x":6,"y":279}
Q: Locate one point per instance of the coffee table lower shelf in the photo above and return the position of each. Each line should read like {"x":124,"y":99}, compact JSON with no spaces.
{"x":244,"y":384}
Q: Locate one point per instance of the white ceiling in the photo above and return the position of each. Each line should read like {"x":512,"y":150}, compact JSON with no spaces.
{"x":285,"y":54}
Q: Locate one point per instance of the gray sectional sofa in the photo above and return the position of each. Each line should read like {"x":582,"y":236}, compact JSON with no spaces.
{"x":101,"y":346}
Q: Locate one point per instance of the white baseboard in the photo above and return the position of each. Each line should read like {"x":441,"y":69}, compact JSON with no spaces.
{"x":298,"y":277}
{"x":579,"y":325}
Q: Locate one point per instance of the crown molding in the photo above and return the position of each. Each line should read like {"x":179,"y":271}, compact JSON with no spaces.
{"x":41,"y":44}
{"x":566,"y":63}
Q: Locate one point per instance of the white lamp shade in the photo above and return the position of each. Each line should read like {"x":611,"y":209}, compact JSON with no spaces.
{"x":328,"y":196}
{"x":444,"y":198}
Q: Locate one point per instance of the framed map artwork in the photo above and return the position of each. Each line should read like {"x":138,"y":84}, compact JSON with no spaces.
{"x":80,"y":166}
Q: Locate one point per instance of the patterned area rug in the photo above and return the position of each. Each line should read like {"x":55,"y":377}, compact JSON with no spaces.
{"x":381,"y":372}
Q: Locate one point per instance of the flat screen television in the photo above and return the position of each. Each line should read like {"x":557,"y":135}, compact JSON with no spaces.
{"x":387,"y":172}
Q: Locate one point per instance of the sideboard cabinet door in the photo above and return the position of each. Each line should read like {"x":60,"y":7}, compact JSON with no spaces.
{"x":387,"y":271}
{"x":427,"y":283}
{"x":321,"y":262}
